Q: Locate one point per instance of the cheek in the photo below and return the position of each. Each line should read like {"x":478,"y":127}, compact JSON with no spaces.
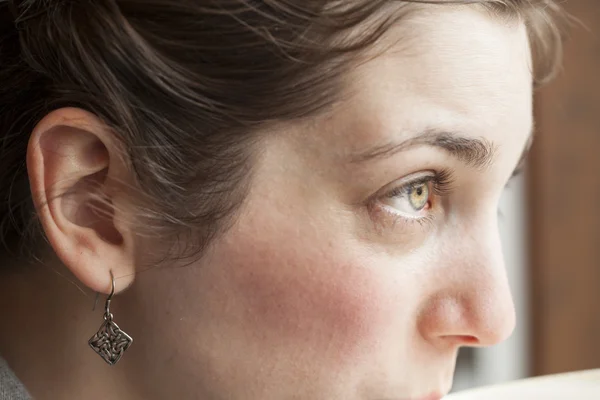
{"x":314,"y":299}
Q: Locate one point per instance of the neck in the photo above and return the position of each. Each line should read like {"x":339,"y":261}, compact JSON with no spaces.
{"x":44,"y":333}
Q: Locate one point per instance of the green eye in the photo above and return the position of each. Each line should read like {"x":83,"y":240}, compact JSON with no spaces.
{"x":417,"y":198}
{"x":418,"y":195}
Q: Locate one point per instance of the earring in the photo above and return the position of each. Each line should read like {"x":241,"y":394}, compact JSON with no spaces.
{"x":110,"y":342}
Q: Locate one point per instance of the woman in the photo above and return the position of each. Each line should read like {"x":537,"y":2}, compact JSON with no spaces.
{"x":296,"y":199}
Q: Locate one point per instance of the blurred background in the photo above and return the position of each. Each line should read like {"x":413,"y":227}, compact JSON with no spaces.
{"x":550,"y":227}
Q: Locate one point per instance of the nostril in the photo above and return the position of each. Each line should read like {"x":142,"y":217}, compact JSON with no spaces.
{"x":469,"y":340}
{"x":463,"y":340}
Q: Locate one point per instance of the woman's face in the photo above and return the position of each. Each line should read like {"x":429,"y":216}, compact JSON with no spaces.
{"x":367,"y":251}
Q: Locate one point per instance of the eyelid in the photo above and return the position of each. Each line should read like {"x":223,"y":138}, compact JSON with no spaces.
{"x":404,"y":187}
{"x":442,"y":182}
{"x":419,"y":177}
{"x":387,"y":219}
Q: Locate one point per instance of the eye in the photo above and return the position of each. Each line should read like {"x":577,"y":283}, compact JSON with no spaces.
{"x":418,"y":196}
{"x":410,"y":199}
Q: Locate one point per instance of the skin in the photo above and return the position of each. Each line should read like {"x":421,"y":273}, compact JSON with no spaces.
{"x":324,"y":288}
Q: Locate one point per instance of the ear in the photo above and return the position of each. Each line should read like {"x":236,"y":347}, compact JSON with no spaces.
{"x":74,"y":166}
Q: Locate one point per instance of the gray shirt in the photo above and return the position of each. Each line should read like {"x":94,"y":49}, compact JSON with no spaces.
{"x":10,"y":387}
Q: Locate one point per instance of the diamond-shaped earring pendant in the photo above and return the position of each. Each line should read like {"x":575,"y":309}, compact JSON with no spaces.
{"x":110,"y":342}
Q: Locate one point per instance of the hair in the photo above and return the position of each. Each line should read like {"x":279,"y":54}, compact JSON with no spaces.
{"x":187,"y":85}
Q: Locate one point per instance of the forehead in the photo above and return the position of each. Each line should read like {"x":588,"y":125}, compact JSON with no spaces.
{"x":451,"y":67}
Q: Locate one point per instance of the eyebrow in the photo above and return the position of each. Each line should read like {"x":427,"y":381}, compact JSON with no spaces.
{"x":475,"y":152}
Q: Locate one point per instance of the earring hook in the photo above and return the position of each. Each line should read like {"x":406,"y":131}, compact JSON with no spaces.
{"x":109,"y":298}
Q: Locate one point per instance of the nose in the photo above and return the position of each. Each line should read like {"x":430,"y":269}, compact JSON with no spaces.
{"x":470,"y":303}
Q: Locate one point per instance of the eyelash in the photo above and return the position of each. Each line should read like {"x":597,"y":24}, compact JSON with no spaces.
{"x":441,"y":185}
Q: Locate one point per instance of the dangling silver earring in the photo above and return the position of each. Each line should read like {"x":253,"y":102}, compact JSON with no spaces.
{"x":110,"y":342}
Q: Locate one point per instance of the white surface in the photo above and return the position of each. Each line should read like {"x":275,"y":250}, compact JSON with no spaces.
{"x":579,"y":385}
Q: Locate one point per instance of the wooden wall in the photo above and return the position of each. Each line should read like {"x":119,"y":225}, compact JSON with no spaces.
{"x":564,"y":205}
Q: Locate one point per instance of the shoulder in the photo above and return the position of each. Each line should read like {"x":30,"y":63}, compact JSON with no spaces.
{"x":10,"y":387}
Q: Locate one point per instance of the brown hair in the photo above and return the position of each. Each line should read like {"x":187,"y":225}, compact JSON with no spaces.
{"x":186,"y":84}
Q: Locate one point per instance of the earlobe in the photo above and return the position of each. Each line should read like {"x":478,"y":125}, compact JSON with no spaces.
{"x":73,"y":162}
